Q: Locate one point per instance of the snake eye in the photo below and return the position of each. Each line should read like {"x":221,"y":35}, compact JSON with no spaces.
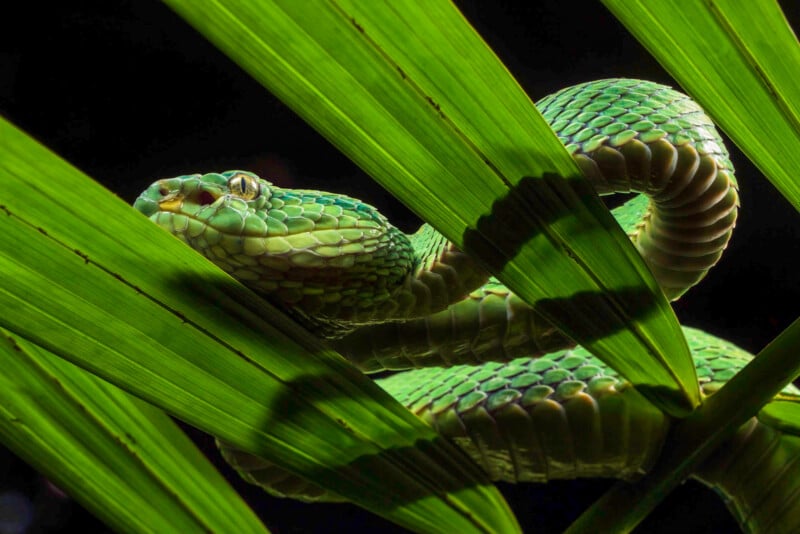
{"x":244,"y":186}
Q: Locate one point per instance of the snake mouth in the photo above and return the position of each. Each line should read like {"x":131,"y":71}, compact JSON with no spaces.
{"x":174,"y":202}
{"x":180,"y":196}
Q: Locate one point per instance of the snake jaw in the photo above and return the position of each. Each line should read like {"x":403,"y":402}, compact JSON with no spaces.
{"x":191,"y":203}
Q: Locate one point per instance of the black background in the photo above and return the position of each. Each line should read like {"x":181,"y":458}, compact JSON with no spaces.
{"x":129,"y":93}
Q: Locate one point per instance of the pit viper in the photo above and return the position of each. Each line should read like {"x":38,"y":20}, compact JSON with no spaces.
{"x":486,"y":370}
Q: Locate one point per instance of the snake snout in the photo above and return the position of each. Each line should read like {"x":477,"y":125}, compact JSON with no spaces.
{"x":178,"y":195}
{"x":187,"y":200}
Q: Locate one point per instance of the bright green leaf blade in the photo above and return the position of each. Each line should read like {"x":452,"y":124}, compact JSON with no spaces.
{"x":413,"y":95}
{"x":783,"y":415}
{"x":91,"y":280}
{"x":740,"y":61}
{"x":123,"y":459}
{"x":696,"y":437}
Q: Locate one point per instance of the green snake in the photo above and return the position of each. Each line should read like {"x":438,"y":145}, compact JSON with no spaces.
{"x":487,"y":371}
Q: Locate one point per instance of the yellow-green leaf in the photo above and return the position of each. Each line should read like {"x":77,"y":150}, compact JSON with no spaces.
{"x":122,"y":458}
{"x":89,"y":279}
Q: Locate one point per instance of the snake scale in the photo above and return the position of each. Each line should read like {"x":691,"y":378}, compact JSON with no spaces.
{"x":486,"y":370}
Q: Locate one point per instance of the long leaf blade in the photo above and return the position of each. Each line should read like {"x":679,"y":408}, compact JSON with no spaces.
{"x":472,"y":156}
{"x":122,"y":458}
{"x":91,"y":280}
{"x":743,"y":71}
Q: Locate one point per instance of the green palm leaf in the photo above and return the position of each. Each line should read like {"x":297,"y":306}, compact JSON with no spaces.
{"x":471,"y":155}
{"x":180,"y":333}
{"x":449,"y":96}
{"x":122,"y":458}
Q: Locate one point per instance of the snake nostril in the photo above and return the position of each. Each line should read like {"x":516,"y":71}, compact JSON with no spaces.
{"x":205,"y":198}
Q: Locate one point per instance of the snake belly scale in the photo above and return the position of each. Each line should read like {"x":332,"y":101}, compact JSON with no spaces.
{"x":496,"y":377}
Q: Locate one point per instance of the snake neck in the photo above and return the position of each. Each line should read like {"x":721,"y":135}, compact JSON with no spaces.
{"x":439,"y":275}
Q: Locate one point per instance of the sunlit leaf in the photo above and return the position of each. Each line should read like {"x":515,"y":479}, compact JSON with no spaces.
{"x":415,"y":97}
{"x":162,"y":322}
{"x":123,"y":459}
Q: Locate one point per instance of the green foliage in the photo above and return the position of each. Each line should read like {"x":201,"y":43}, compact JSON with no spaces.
{"x":369,"y":79}
{"x":165,"y":324}
{"x":411,"y":113}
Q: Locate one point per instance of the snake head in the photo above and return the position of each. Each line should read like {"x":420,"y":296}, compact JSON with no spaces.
{"x":191,"y":193}
{"x":309,"y":249}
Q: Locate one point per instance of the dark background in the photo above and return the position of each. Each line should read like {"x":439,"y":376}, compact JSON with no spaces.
{"x":129,"y":93}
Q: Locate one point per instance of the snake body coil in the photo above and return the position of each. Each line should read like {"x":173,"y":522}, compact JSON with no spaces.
{"x":386,"y":300}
